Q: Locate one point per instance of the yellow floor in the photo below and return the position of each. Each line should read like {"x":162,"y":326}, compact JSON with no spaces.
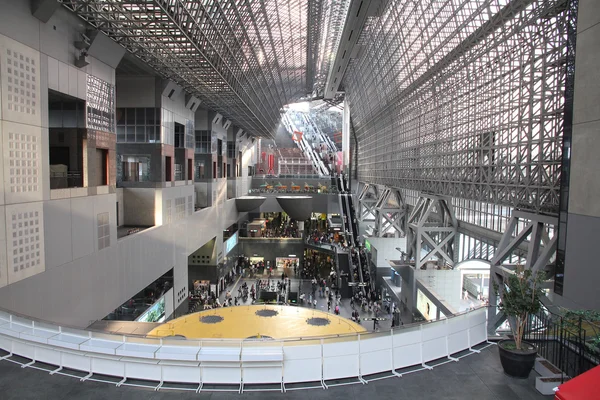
{"x":241,"y":322}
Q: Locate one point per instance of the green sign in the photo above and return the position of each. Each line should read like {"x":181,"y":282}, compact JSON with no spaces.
{"x":367,"y":245}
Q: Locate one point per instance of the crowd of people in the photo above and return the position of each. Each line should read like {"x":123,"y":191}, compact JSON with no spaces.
{"x":281,"y":226}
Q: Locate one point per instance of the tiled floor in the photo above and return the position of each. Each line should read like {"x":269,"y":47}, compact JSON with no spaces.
{"x":477,"y":377}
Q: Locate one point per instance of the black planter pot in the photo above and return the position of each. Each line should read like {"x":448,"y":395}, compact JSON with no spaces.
{"x":517,"y":363}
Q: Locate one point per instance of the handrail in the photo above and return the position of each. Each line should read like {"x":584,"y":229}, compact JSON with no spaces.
{"x":65,"y":329}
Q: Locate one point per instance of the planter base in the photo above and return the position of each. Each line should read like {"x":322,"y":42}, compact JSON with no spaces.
{"x":517,"y":364}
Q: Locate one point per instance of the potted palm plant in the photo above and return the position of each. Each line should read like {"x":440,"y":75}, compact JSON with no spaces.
{"x":520,"y":295}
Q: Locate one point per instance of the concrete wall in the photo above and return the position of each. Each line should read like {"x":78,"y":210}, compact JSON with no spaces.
{"x":94,"y":282}
{"x":45,"y":54}
{"x":581,"y":272}
{"x":138,"y":206}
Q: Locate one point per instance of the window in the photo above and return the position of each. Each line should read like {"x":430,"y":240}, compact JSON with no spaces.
{"x":135,"y":168}
{"x":141,"y":125}
{"x":103,"y":231}
{"x":200,"y":170}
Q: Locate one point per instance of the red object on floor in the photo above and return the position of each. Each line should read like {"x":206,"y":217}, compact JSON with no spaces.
{"x":582,"y":387}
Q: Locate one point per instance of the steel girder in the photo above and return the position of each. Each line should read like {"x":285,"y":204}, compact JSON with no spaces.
{"x":244,"y":59}
{"x":537,"y":232}
{"x":432,"y":226}
{"x":464,"y":99}
{"x":367,"y":198}
{"x":390,"y":213}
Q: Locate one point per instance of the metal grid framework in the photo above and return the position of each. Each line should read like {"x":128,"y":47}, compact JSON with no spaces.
{"x":244,"y":59}
{"x":463,"y":98}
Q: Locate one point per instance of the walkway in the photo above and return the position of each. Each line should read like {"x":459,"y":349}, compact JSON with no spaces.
{"x":478,"y":376}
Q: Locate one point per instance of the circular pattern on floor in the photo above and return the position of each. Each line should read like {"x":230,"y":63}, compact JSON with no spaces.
{"x":211,"y":319}
{"x":316,"y":321}
{"x":266,"y":313}
{"x":242,"y":322}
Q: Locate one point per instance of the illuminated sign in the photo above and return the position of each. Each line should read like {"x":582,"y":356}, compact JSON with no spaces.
{"x":426,"y":306}
{"x":367,"y":245}
{"x":230,"y":243}
{"x":156,"y":313}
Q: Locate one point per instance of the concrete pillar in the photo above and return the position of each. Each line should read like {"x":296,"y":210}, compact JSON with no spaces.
{"x":583,"y":228}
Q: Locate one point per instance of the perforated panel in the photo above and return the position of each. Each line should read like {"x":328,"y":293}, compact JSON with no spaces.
{"x":20,"y":82}
{"x":22,"y":162}
{"x":25,"y":240}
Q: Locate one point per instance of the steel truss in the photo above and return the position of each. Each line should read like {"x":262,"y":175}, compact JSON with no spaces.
{"x":390,"y":214}
{"x":464,"y":99}
{"x":537,"y":233}
{"x":432,"y":226}
{"x":367,"y":198}
{"x":244,"y":59}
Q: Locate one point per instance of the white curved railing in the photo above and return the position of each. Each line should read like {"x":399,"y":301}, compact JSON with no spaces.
{"x":238,"y":362}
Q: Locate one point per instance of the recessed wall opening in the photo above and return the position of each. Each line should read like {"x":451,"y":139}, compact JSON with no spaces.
{"x":179,"y":135}
{"x":136,"y":168}
{"x":168,"y":171}
{"x":66,"y":140}
{"x":190,"y":169}
{"x":101,"y":165}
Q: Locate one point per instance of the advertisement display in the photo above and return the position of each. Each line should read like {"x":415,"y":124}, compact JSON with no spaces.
{"x":231,"y":243}
{"x":426,"y":306}
{"x":156,"y":313}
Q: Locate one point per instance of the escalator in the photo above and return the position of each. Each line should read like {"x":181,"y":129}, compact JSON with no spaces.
{"x":345,"y":274}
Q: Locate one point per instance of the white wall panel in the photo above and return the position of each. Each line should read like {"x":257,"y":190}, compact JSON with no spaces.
{"x":457,"y":342}
{"x":22,"y":152}
{"x":25,"y":240}
{"x":63,"y":77}
{"x":221,"y":375}
{"x":434,"y":349}
{"x":138,"y":370}
{"x":181,"y":373}
{"x":81,"y":85}
{"x":306,"y":370}
{"x":83,"y":225}
{"x":406,"y":356}
{"x":374,"y":362}
{"x":52,"y":73}
{"x":252,"y":374}
{"x":433,"y":331}
{"x":110,"y":366}
{"x":407,"y":336}
{"x":17,"y":22}
{"x":3,"y":260}
{"x":57,"y":232}
{"x":340,"y":367}
{"x":73,"y":90}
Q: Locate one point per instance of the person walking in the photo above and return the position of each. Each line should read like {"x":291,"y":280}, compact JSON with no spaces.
{"x":328,"y":305}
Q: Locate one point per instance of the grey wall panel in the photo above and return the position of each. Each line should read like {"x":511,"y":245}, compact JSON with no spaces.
{"x":582,"y":274}
{"x":17,"y":23}
{"x":138,"y":204}
{"x":136,"y":91}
